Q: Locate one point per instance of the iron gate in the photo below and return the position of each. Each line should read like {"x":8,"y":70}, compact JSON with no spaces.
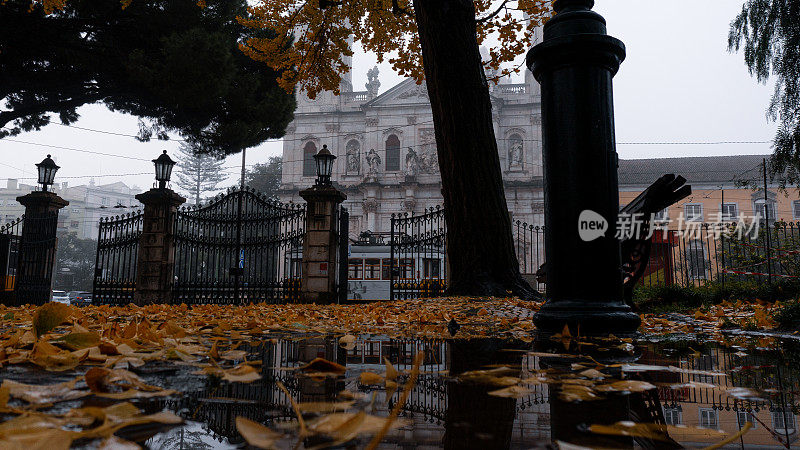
{"x":417,"y":255}
{"x":242,"y":247}
{"x":117,"y":252}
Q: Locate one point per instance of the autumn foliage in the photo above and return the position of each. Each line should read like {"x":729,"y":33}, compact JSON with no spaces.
{"x":316,"y":38}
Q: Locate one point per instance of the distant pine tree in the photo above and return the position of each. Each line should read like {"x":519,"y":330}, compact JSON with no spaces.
{"x":768,"y":32}
{"x":198,"y":173}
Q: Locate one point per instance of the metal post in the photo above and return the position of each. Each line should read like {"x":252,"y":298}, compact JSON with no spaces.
{"x":575,"y":64}
{"x":391,"y":260}
{"x":766,"y":225}
{"x":237,"y":270}
{"x":722,"y":235}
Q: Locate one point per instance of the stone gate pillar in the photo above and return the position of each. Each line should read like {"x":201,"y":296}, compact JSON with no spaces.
{"x":318,"y":282}
{"x":37,"y":248}
{"x":575,"y":64}
{"x":155,"y":264}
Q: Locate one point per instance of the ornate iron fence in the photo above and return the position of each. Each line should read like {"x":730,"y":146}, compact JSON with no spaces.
{"x":10,"y":237}
{"x":702,"y":253}
{"x":419,"y":248}
{"x":241,"y":247}
{"x":117,"y":253}
{"x":529,"y":246}
{"x":417,"y":256}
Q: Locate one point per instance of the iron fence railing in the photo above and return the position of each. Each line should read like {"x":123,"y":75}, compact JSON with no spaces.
{"x":10,"y":237}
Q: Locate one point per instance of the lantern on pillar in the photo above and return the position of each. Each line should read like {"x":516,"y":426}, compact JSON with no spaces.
{"x":163,"y":169}
{"x":324,"y":160}
{"x":47,"y":172}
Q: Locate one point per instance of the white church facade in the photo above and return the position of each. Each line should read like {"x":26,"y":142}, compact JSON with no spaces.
{"x":386,"y":150}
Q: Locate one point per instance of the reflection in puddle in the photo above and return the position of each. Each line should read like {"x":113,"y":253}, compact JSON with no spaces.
{"x":699,"y":389}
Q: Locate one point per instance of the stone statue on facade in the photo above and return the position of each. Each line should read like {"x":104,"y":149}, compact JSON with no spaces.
{"x":515,"y":154}
{"x":353,"y":158}
{"x":373,"y":163}
{"x":373,"y":84}
{"x":411,"y":163}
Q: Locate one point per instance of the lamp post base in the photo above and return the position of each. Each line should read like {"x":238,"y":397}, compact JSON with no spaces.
{"x":586,"y":318}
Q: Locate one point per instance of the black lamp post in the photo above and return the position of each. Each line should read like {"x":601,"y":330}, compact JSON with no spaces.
{"x":47,"y":172}
{"x":324,"y":160}
{"x":163,"y":169}
{"x":575,"y":64}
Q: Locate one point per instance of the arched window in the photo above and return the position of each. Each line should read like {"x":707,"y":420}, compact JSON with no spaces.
{"x":392,"y":153}
{"x":309,"y":168}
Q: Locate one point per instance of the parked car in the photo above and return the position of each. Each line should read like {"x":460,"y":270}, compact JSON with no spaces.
{"x":60,"y":297}
{"x":81,"y":298}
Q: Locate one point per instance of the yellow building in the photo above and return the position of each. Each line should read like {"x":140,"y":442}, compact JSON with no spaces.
{"x":688,"y":247}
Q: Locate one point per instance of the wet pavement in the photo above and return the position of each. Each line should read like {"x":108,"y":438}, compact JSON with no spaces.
{"x":484,"y":393}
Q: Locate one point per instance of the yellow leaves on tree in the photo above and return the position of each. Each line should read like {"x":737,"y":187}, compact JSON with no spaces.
{"x":307,"y":44}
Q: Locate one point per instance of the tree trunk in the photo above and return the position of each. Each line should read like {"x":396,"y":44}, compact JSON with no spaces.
{"x":480,"y":246}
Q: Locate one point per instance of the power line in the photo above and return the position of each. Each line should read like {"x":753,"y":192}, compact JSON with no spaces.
{"x":694,"y":143}
{"x":75,"y":149}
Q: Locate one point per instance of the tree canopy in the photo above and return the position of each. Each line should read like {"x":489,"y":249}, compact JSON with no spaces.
{"x":315,"y":34}
{"x":768,"y":33}
{"x":174,"y":64}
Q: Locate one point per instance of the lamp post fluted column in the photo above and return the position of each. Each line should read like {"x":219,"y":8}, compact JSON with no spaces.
{"x":575,"y":64}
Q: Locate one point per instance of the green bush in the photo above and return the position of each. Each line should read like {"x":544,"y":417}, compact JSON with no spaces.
{"x":656,"y":298}
{"x":788,"y":317}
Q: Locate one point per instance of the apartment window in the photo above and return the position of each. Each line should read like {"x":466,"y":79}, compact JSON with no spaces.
{"x":709,"y":418}
{"x":693,"y":212}
{"x":764,"y":211}
{"x":729,"y":211}
{"x":673,"y":415}
{"x":309,"y":167}
{"x":1,"y":201}
{"x":392,"y":153}
{"x":355,"y":269}
{"x":74,"y":224}
{"x":76,"y":210}
{"x":745,"y":416}
{"x":796,"y":209}
{"x":372,"y":269}
{"x":662,"y":216}
{"x":430,"y":267}
{"x":104,"y":201}
{"x":783,"y":421}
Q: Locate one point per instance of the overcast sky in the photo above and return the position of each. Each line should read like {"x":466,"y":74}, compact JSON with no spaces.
{"x":678,"y":84}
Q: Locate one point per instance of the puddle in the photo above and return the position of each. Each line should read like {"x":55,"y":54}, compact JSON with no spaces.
{"x":680,"y":393}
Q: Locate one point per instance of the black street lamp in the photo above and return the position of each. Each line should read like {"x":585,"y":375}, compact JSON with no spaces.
{"x":163,"y":169}
{"x":47,"y":172}
{"x":324,"y":159}
{"x":575,"y":64}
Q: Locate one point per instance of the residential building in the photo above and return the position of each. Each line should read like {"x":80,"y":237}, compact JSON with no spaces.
{"x":723,"y":188}
{"x":87,"y":204}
